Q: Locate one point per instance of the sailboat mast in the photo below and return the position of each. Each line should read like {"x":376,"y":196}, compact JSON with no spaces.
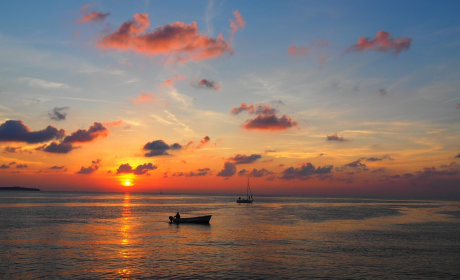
{"x":247,"y":190}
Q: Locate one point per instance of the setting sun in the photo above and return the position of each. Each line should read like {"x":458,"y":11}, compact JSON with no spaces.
{"x":127,"y":183}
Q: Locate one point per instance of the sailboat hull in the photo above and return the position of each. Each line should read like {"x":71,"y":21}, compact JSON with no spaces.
{"x":244,"y":200}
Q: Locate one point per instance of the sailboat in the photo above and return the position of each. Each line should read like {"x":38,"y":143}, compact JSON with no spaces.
{"x":248,"y":196}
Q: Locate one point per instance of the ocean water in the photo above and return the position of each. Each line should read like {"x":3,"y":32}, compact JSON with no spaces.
{"x":65,"y":235}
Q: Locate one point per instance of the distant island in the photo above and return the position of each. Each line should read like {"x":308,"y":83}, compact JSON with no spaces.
{"x":16,"y":188}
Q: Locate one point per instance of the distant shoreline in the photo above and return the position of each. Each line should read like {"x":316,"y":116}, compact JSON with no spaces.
{"x":15,"y":188}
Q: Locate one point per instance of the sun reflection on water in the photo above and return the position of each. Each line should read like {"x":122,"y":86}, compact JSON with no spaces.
{"x":125,"y":231}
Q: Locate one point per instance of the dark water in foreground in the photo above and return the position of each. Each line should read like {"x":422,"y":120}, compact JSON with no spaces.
{"x":54,"y":235}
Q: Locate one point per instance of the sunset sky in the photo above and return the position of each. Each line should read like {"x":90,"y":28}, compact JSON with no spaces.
{"x":303,"y":97}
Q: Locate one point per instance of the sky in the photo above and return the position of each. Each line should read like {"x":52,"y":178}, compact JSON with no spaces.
{"x":339,"y":98}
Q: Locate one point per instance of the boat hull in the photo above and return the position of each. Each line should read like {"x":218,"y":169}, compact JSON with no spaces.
{"x":244,"y":201}
{"x":192,"y":220}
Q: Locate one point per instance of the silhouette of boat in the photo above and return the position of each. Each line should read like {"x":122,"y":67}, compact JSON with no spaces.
{"x":191,"y":220}
{"x":16,"y":188}
{"x":248,"y":196}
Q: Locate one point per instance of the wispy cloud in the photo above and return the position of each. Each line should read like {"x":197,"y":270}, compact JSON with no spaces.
{"x":172,"y":117}
{"x":38,"y":83}
{"x":86,"y":6}
{"x":145,"y":97}
{"x":93,"y":17}
{"x":83,"y":99}
{"x":297,"y":51}
{"x":238,"y":23}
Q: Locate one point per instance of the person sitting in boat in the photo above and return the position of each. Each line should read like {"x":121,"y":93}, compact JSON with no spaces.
{"x":177,"y":216}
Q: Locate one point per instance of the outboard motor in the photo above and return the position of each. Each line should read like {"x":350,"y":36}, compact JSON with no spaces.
{"x":171,"y":219}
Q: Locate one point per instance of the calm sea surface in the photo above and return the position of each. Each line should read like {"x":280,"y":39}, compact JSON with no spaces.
{"x":64,"y":235}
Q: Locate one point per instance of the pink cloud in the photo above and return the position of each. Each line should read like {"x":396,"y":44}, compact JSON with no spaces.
{"x":86,"y":6}
{"x":145,"y":97}
{"x":190,"y":145}
{"x":383,"y":43}
{"x":253,"y":109}
{"x":243,"y":107}
{"x":183,"y":41}
{"x":168,"y":82}
{"x":297,"y":51}
{"x":93,"y":16}
{"x":270,"y":122}
{"x":238,"y":23}
{"x":172,"y":81}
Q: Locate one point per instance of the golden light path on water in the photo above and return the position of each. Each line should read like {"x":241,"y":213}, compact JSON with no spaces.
{"x":126,"y":235}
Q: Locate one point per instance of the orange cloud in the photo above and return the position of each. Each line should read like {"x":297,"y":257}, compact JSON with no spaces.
{"x":181,"y":40}
{"x":93,"y":16}
{"x":238,"y":23}
{"x":144,"y":97}
{"x":114,"y":123}
{"x":383,"y":43}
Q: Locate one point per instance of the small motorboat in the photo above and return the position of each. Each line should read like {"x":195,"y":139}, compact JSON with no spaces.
{"x":191,"y":220}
